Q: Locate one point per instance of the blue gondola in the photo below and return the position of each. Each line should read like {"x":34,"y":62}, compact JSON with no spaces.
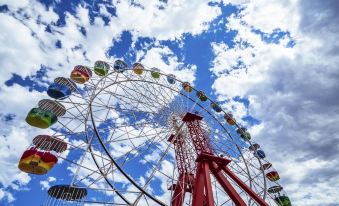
{"x":58,"y":91}
{"x":216,"y":107}
{"x":61,"y":88}
{"x":259,"y":154}
{"x":171,"y":79}
{"x":120,"y":66}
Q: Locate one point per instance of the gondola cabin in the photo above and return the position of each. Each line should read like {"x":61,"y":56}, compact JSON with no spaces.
{"x":274,"y":189}
{"x":120,"y":66}
{"x":155,"y":73}
{"x":46,"y":114}
{"x":244,"y":134}
{"x":201,"y":95}
{"x":216,"y":107}
{"x":229,"y":119}
{"x":41,"y":118}
{"x":138,"y":68}
{"x":61,"y":88}
{"x":49,"y":143}
{"x":81,"y":74}
{"x":171,"y":79}
{"x":259,"y":154}
{"x":273,"y":176}
{"x":241,"y":130}
{"x":283,"y":200}
{"x":265,"y":166}
{"x":187,"y":87}
{"x":254,"y":147}
{"x":37,"y":162}
{"x":101,"y":68}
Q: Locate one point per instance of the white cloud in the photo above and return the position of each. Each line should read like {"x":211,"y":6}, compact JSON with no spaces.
{"x":18,"y":100}
{"x":269,"y":15}
{"x":45,"y":184}
{"x":15,"y":4}
{"x":13,"y":58}
{"x":6,"y":195}
{"x":154,"y":58}
{"x":10,"y":153}
{"x":176,"y":18}
{"x":293,"y":91}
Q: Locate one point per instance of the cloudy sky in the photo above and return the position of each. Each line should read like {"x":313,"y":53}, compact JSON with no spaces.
{"x":273,"y":63}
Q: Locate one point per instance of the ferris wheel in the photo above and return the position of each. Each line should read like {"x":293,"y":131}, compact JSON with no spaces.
{"x":138,"y":136}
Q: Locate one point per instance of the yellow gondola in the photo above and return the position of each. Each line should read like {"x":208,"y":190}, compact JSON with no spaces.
{"x":138,"y":68}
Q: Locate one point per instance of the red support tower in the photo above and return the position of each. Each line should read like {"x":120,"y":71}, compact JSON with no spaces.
{"x":206,"y":163}
{"x":185,"y":168}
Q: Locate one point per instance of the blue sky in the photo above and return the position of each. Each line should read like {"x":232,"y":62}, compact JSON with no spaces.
{"x":272,"y":63}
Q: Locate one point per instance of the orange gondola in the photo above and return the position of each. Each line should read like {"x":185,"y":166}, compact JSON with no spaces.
{"x":229,"y":119}
{"x":187,"y":87}
{"x":81,"y":74}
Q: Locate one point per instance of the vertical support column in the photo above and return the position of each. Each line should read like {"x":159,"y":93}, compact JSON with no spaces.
{"x":184,"y":182}
{"x":199,"y":185}
{"x":180,"y":190}
{"x":208,"y":185}
{"x":202,"y":192}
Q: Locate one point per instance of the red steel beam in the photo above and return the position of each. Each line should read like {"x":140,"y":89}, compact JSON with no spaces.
{"x":247,"y":189}
{"x":199,"y":186}
{"x":208,"y":186}
{"x":179,"y":191}
{"x":226,"y":185}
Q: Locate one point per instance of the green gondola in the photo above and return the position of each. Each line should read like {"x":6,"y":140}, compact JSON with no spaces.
{"x":283,"y":201}
{"x":201,"y":95}
{"x":155,"y":73}
{"x":41,"y":118}
{"x":101,"y":68}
